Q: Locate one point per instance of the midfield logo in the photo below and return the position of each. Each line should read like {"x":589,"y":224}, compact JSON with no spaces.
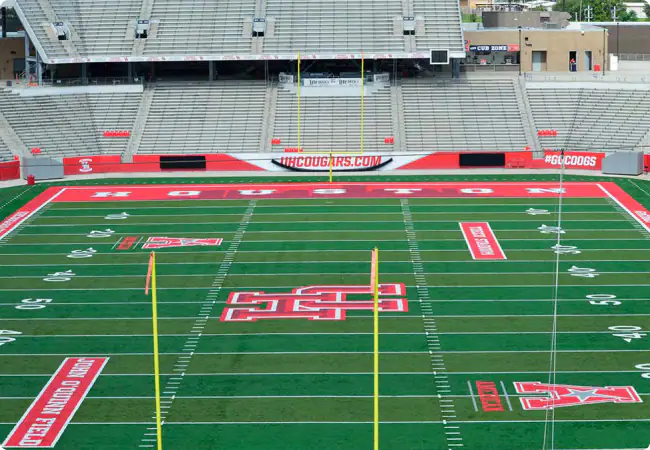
{"x":170,"y":242}
{"x":559,"y":395}
{"x":311,"y":302}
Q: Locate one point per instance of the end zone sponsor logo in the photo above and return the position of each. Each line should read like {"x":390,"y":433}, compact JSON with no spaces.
{"x":128,"y":242}
{"x":488,"y":393}
{"x":171,"y":242}
{"x":552,"y":396}
{"x":317,"y":163}
{"x":48,"y":416}
{"x":481,"y":241}
{"x":12,"y":221}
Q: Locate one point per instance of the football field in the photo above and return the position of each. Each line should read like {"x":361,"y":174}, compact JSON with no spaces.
{"x":512,"y":316}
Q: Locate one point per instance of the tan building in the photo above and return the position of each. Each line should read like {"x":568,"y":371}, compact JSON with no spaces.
{"x":538,"y":50}
{"x":11,"y":49}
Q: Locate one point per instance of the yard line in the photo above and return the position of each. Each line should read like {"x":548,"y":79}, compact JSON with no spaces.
{"x":239,"y":288}
{"x":505,"y":391}
{"x":459,"y":250}
{"x":293,"y":263}
{"x":471,"y":392}
{"x":333,"y":231}
{"x":335,"y":352}
{"x":401,"y":316}
{"x":347,"y":333}
{"x":302,"y":241}
{"x":144,"y":224}
{"x":192,"y":302}
{"x":423,"y":422}
{"x":293,"y":274}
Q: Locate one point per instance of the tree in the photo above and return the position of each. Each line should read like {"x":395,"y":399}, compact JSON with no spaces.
{"x":601,"y":10}
{"x":646,"y":10}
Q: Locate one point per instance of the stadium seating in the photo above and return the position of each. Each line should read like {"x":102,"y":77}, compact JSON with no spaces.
{"x":68,"y":125}
{"x":333,"y":123}
{"x":442,"y":25}
{"x":333,"y":26}
{"x":201,"y":27}
{"x":205,"y":118}
{"x":599,"y":118}
{"x":105,"y":28}
{"x":5,"y":154}
{"x":462,"y":115}
{"x":41,"y":23}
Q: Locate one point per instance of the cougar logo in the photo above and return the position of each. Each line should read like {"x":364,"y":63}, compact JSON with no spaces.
{"x":85,"y":165}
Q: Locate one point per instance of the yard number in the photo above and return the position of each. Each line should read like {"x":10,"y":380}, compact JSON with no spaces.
{"x":645,"y":368}
{"x":627,"y":337}
{"x":603,"y":299}
{"x":88,"y":253}
{"x":101,"y":234}
{"x":545,"y":229}
{"x":565,"y":249}
{"x":583,"y":272}
{"x":120,"y":216}
{"x":6,"y":340}
{"x":60,"y":276}
{"x":33,"y":303}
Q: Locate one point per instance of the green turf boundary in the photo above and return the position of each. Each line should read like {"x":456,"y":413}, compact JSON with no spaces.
{"x":12,"y":198}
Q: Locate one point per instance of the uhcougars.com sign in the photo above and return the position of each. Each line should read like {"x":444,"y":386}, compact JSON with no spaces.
{"x":572,"y":160}
{"x":338,"y":163}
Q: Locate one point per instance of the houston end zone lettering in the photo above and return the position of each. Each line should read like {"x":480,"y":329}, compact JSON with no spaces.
{"x":48,"y":416}
{"x":481,"y":241}
{"x":310,"y":302}
{"x":489,"y":396}
{"x":562,"y":395}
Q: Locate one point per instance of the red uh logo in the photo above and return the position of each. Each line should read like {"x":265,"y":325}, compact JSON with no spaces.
{"x":311,"y":302}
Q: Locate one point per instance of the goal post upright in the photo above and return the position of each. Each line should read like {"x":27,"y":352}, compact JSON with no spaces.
{"x":374,"y":284}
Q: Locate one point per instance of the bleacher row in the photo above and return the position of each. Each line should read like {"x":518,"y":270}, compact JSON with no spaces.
{"x":421,"y":116}
{"x":209,"y":27}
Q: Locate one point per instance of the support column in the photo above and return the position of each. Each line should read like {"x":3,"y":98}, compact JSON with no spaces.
{"x":28,"y":68}
{"x":455,"y":68}
{"x":84,"y":73}
{"x":211,"y":70}
{"x":39,"y":69}
{"x":129,"y":68}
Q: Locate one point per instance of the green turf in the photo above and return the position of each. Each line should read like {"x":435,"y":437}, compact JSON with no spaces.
{"x":299,"y":384}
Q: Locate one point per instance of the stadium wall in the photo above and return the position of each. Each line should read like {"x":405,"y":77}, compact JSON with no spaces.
{"x":283,"y":162}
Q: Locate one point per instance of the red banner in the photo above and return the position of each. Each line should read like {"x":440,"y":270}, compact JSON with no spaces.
{"x":572,"y":160}
{"x":9,"y":170}
{"x":49,"y":415}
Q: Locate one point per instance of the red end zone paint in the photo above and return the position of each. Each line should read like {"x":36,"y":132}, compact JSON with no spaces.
{"x":326,"y":190}
{"x":625,"y":201}
{"x":14,"y":220}
{"x":481,"y":241}
{"x":46,"y":419}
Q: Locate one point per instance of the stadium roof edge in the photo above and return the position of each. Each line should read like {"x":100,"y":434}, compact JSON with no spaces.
{"x":271,"y":57}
